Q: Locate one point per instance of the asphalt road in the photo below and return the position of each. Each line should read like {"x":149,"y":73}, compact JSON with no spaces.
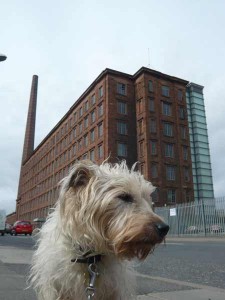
{"x":189,"y":261}
{"x":20,"y":241}
{"x":178,"y":265}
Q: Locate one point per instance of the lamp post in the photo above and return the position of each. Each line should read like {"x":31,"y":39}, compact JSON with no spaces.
{"x":2,"y":57}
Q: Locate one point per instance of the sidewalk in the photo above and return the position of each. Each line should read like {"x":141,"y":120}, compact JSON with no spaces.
{"x":201,"y":294}
{"x":195,"y":238}
{"x":190,"y":291}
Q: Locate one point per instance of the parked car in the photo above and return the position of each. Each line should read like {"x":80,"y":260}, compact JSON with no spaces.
{"x":8,"y":228}
{"x":22,"y":227}
{"x":193,"y":229}
{"x":216,"y":228}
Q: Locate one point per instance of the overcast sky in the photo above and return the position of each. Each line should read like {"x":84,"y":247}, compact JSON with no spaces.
{"x":68,"y":43}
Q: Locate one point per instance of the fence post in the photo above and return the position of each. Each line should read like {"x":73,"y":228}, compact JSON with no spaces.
{"x":178,"y":223}
{"x":203,"y":215}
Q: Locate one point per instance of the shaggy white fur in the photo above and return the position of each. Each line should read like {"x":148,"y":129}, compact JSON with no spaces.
{"x":103,"y":210}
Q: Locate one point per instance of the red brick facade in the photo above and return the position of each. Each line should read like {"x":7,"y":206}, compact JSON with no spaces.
{"x":112,"y":118}
{"x":11,"y":218}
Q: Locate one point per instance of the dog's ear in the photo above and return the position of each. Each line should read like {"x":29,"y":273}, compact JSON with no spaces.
{"x":80,"y":174}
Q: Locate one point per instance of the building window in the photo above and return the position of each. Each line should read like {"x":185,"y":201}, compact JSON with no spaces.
{"x":142,"y":169}
{"x":151,"y":105}
{"x":75,"y":116}
{"x":92,"y":155}
{"x":93,"y":117}
{"x":171,"y":196}
{"x":80,"y":144}
{"x":140,"y":106}
{"x":75,"y":132}
{"x":86,"y":106}
{"x":122,"y":127}
{"x":100,"y":92}
{"x":122,"y":149}
{"x":168,"y":129}
{"x":185,"y":152}
{"x":86,"y":140}
{"x":166,"y":109}
{"x":140,"y":126}
{"x":169,"y":150}
{"x":183,"y":132}
{"x":121,"y":88}
{"x":100,"y":151}
{"x":86,"y":122}
{"x":100,"y":110}
{"x":155,"y":196}
{"x":92,"y":133}
{"x":182,"y":113}
{"x":186,"y":174}
{"x":141,"y":148}
{"x":153,"y":126}
{"x":150,"y":86}
{"x":154,"y":170}
{"x":93,"y":99}
{"x":180,"y":95}
{"x":153,"y":147}
{"x":100,"y":129}
{"x":81,"y":111}
{"x":122,"y":107}
{"x":57,"y":135}
{"x":80,"y":127}
{"x":187,"y":196}
{"x":165,"y":91}
{"x":85,"y":156}
{"x":74,"y":149}
{"x":170,"y":173}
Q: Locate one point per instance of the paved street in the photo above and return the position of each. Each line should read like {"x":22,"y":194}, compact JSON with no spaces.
{"x":181,"y":269}
{"x":196,"y":262}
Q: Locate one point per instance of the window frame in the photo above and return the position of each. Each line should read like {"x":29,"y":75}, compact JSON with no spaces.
{"x":120,"y":150}
{"x":171,"y":173}
{"x":165,"y":90}
{"x":166,"y":131}
{"x":150,"y":86}
{"x":122,"y":127}
{"x":166,"y":109}
{"x":121,"y":88}
{"x":171,"y":198}
{"x":123,"y":105}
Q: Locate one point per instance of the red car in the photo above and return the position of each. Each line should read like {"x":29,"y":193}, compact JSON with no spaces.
{"x":22,"y":227}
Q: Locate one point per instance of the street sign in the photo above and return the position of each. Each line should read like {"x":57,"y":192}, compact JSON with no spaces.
{"x":173,"y":212}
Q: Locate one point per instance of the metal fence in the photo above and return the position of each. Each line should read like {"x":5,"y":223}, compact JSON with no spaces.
{"x":203,"y":218}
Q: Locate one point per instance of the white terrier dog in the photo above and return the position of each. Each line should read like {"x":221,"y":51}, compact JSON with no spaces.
{"x":102,"y":220}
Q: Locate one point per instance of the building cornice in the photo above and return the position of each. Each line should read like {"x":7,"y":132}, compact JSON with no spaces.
{"x":159,"y":75}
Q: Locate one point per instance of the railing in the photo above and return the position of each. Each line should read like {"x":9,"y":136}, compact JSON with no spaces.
{"x":203,"y":218}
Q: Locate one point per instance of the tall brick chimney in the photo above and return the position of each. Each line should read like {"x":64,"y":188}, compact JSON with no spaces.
{"x":28,"y":146}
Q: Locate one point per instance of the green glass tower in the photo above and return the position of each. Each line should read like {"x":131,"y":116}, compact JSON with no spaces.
{"x":201,"y":164}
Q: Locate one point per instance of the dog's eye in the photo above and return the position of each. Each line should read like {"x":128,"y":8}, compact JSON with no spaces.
{"x":126,"y":198}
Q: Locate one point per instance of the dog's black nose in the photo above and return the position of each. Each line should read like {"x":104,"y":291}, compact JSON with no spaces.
{"x":162,"y":229}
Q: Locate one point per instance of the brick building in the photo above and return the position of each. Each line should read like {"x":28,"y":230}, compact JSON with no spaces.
{"x":141,"y":117}
{"x":11,"y":218}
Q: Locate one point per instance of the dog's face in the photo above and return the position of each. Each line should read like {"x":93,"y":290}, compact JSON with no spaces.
{"x":107,"y":209}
